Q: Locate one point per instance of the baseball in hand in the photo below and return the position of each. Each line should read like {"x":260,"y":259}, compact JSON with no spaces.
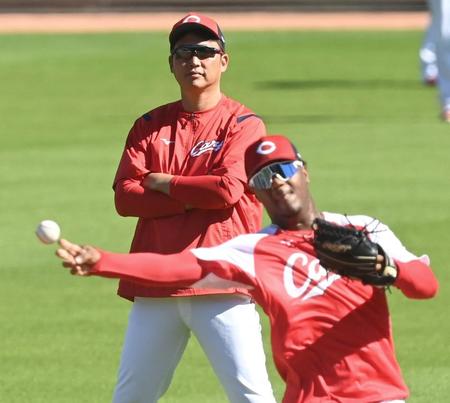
{"x":48,"y":231}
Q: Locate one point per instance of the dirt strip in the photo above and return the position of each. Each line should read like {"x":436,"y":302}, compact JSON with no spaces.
{"x":123,"y":22}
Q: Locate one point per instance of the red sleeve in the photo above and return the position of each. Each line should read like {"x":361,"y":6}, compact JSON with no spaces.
{"x":207,"y":192}
{"x":416,"y":279}
{"x":225,"y":184}
{"x":130,"y":198}
{"x":150,"y":269}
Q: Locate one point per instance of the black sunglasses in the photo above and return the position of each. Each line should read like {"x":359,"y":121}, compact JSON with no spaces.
{"x":186,"y":52}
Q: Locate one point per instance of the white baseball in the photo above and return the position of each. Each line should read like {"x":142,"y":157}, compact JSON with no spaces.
{"x":48,"y":231}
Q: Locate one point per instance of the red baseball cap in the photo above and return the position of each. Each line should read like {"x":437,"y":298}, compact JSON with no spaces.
{"x":267,"y":150}
{"x":196,"y":22}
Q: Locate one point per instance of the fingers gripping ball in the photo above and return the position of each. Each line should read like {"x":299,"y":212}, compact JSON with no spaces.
{"x":349,"y":252}
{"x":48,"y":232}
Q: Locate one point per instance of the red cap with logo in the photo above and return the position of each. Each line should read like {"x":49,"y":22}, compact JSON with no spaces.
{"x":195,"y":21}
{"x":268,"y":150}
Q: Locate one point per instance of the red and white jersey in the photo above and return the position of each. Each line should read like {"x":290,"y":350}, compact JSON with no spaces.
{"x":204,"y":151}
{"x":331,"y":336}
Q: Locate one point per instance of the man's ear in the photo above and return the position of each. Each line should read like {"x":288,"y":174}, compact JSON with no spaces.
{"x":171,"y":63}
{"x":224,"y":60}
{"x":305,"y":172}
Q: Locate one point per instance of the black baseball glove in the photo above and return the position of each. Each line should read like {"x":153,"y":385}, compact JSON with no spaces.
{"x":349,"y":252}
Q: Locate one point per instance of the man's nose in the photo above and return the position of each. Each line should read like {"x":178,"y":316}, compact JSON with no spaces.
{"x":194,"y":60}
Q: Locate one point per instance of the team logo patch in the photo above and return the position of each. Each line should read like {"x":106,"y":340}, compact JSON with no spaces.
{"x":204,"y":146}
{"x":192,"y":18}
{"x":266,"y":147}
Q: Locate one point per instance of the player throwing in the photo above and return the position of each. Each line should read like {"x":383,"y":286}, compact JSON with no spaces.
{"x":331,"y":336}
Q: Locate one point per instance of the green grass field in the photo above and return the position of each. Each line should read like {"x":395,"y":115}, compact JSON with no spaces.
{"x":351,"y":101}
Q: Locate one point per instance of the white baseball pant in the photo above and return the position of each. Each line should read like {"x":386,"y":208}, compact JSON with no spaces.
{"x":226,"y":326}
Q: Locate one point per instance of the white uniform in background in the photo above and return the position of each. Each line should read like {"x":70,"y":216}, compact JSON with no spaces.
{"x":428,"y":63}
{"x":440,"y":11}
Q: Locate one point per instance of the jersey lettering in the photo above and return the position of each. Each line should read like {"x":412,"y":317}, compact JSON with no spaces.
{"x":204,"y":146}
{"x":316,"y":273}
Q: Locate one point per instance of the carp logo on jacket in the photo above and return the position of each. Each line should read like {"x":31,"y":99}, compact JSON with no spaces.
{"x":204,"y":146}
{"x":317,"y":280}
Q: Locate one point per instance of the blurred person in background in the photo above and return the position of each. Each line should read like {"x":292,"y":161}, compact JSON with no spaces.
{"x":427,"y":54}
{"x":440,"y":30}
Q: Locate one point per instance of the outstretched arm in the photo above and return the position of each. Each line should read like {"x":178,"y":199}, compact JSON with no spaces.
{"x":182,"y":269}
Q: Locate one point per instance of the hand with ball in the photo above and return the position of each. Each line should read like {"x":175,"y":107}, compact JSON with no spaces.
{"x":79,"y":259}
{"x":48,"y":232}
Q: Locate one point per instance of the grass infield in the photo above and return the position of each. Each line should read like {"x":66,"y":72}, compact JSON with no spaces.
{"x":351,"y":101}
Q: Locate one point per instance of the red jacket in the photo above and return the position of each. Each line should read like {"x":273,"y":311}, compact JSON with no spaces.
{"x":205,"y":152}
{"x":331,"y":336}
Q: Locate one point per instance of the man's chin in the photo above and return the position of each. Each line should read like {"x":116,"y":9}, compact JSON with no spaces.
{"x":196,"y":80}
{"x":288,"y":220}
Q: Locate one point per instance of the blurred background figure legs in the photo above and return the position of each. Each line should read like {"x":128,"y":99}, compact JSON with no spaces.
{"x":440,"y":11}
{"x":427,"y":54}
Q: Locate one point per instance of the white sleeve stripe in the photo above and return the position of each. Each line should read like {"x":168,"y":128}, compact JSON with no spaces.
{"x":238,"y":251}
{"x":379,"y":233}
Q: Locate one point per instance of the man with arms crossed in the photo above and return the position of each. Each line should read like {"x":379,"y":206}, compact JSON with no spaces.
{"x":331,"y":335}
{"x":182,"y":174}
